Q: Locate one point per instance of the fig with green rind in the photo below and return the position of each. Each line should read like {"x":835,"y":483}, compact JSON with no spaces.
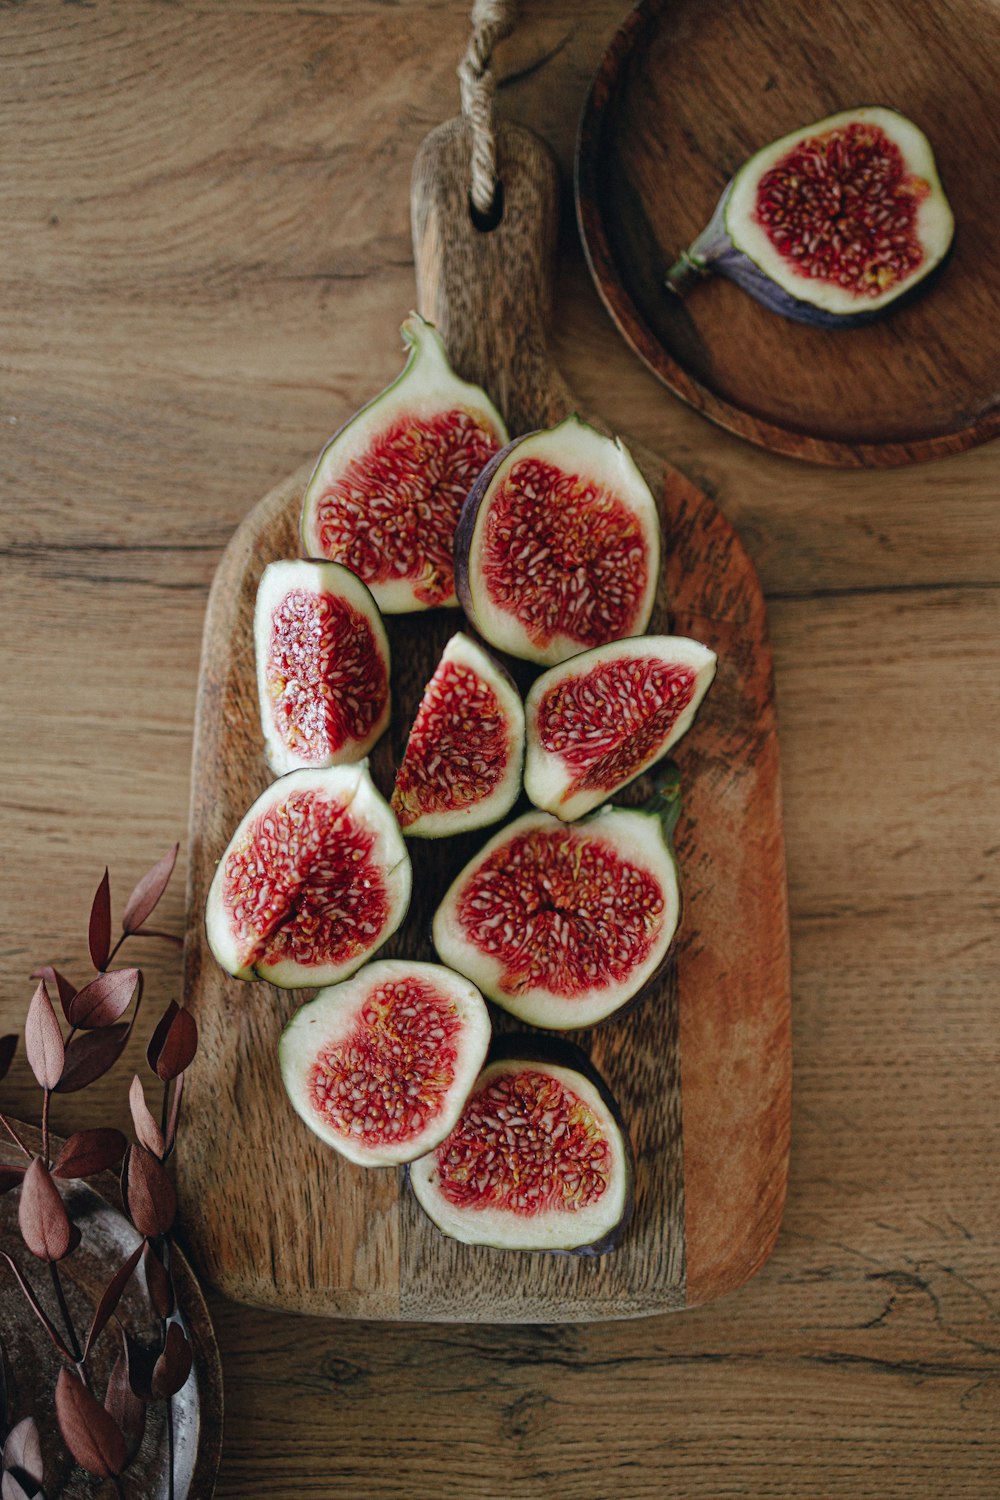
{"x":563,"y":924}
{"x":322,"y":666}
{"x":558,"y":545}
{"x":597,"y":721}
{"x":462,"y":765}
{"x":832,"y":224}
{"x":380,"y":1065}
{"x":314,"y":880}
{"x":387,"y":489}
{"x":540,"y":1158}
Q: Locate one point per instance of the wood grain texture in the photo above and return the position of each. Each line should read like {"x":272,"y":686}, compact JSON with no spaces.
{"x":685,"y":94}
{"x":229,"y":268}
{"x":701,"y":1069}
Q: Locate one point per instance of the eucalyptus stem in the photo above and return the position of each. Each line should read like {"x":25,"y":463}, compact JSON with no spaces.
{"x":67,"y":1319}
{"x":14,"y":1136}
{"x":47,"y":1095}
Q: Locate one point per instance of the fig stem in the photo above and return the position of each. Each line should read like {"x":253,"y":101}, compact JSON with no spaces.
{"x":685,"y":273}
{"x":665,"y":803}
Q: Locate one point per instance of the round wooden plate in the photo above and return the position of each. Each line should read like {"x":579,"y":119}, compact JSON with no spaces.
{"x":686,"y":92}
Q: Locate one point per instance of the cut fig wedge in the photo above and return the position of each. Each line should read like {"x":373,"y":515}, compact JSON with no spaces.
{"x":385,"y":496}
{"x":322,"y":666}
{"x":831,"y":224}
{"x":539,"y":1160}
{"x":558,"y":545}
{"x":463,"y":760}
{"x":599,"y":720}
{"x":562,"y":924}
{"x":314,"y":880}
{"x":381,"y":1065}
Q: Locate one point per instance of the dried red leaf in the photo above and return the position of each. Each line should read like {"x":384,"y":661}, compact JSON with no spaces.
{"x":159,"y":1283}
{"x":10,"y":1177}
{"x":148,"y":1132}
{"x":59,"y":982}
{"x":175,"y":1112}
{"x":11,"y":1487}
{"x":144,"y":899}
{"x":104,"y":999}
{"x":159,"y":1036}
{"x":100,"y":923}
{"x":179,"y":1045}
{"x":90,"y":1433}
{"x":125,"y":1407}
{"x":88,"y":1057}
{"x":8,"y":1046}
{"x":173,"y":1366}
{"x":149,"y":1193}
{"x":23,"y":1450}
{"x":90,"y":1151}
{"x":42,"y":1216}
{"x":110,"y":1298}
{"x":141,"y":1363}
{"x":43,"y":1041}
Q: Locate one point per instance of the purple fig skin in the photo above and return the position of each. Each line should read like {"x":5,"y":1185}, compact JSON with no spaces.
{"x":557,"y":1051}
{"x":467,"y":518}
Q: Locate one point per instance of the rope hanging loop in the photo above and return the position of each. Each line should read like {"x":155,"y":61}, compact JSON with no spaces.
{"x":492,"y":20}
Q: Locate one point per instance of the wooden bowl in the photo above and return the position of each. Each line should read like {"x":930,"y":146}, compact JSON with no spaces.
{"x":686,"y":92}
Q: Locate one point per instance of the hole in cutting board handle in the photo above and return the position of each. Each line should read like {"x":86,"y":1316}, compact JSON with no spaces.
{"x":493,"y":217}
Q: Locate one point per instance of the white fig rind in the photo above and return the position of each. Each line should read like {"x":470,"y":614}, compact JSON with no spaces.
{"x":464,"y":651}
{"x":278,"y":580}
{"x":334,"y":1014}
{"x":547,"y":778}
{"x":352,"y":790}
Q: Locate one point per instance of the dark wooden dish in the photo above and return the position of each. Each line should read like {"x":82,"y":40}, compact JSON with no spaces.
{"x":31,"y":1364}
{"x":686,"y":92}
{"x":701,"y":1068}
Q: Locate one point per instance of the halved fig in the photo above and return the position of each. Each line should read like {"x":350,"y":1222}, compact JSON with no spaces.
{"x":558,"y":545}
{"x":381,"y":1065}
{"x":463,"y":759}
{"x":322,"y":666}
{"x":539,"y":1160}
{"x":562,"y":924}
{"x":832,"y":223}
{"x":314,"y":880}
{"x":599,"y":720}
{"x":386,"y":492}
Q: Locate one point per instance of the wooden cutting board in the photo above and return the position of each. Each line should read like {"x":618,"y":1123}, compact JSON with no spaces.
{"x":701,"y":1068}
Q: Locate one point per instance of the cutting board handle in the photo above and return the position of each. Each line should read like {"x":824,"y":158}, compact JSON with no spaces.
{"x":489,"y":292}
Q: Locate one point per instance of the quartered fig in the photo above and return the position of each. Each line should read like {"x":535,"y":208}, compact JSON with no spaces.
{"x":381,"y":1065}
{"x":463,"y":759}
{"x":558,"y":545}
{"x":386,"y":492}
{"x":539,"y":1159}
{"x":314,"y":880}
{"x":832,"y":223}
{"x":322,"y":666}
{"x":599,"y":720}
{"x":562,"y":924}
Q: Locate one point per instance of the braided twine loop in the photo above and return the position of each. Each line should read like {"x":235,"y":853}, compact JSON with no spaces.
{"x":492,"y":20}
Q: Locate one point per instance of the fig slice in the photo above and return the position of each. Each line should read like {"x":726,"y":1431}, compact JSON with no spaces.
{"x":380,"y":1065}
{"x":462,"y":765}
{"x":314,"y":880}
{"x":385,"y":495}
{"x":563,"y":923}
{"x":558,"y":545}
{"x":832,"y":223}
{"x":599,"y":720}
{"x":322,"y":666}
{"x":539,"y":1159}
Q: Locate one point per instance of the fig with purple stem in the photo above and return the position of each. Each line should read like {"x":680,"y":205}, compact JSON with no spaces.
{"x":831,"y":224}
{"x":385,"y":495}
{"x":314,"y":880}
{"x":322,"y":666}
{"x":539,"y":1159}
{"x":599,"y":720}
{"x":558,"y":545}
{"x":380,"y":1065}
{"x":563,"y":923}
{"x":463,"y":759}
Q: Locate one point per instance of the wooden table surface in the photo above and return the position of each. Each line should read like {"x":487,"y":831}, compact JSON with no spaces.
{"x":205,"y":258}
